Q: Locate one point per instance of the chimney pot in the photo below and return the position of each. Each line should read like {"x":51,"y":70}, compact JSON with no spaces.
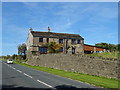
{"x":48,"y":29}
{"x":30,"y":29}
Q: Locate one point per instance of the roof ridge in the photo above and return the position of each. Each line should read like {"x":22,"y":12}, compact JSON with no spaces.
{"x":55,"y":33}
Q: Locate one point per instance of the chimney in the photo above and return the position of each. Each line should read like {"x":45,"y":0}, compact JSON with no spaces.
{"x":48,"y":29}
{"x":30,"y":29}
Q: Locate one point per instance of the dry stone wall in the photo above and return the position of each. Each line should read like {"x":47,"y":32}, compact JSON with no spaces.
{"x":77,"y":63}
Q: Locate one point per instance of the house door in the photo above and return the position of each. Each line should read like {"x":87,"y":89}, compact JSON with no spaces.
{"x":73,"y":50}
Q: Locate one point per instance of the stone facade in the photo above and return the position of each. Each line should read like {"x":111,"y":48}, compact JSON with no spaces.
{"x":34,"y":44}
{"x":105,"y":67}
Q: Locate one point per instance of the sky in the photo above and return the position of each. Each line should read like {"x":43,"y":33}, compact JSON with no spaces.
{"x":96,"y":22}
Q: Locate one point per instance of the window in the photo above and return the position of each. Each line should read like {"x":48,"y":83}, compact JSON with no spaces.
{"x":43,"y":50}
{"x":34,"y":52}
{"x":78,"y":41}
{"x":47,"y":40}
{"x":61,"y":41}
{"x":61,"y":49}
{"x":40,"y":39}
{"x":73,"y":41}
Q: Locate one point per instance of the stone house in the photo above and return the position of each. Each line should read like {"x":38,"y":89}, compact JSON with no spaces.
{"x":70,"y":43}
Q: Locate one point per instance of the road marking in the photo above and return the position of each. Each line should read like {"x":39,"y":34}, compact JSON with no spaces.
{"x":27,"y":75}
{"x":13,"y":68}
{"x":44,"y":83}
{"x":19,"y":71}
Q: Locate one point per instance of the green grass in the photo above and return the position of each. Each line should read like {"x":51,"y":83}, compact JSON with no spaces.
{"x":92,"y":79}
{"x":106,"y":54}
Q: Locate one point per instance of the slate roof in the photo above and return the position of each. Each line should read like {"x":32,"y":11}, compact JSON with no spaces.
{"x":56,"y":35}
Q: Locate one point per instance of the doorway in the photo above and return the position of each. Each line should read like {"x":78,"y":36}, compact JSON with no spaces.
{"x":73,"y":50}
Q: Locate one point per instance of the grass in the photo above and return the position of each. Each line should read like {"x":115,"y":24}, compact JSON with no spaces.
{"x":106,"y":54}
{"x":92,"y":79}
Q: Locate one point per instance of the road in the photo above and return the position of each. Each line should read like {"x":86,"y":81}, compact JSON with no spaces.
{"x":17,"y":76}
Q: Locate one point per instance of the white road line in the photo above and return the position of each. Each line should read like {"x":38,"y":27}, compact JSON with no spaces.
{"x":31,"y":77}
{"x":44,"y":83}
{"x":19,"y":71}
{"x":13,"y":68}
{"x":27,"y":75}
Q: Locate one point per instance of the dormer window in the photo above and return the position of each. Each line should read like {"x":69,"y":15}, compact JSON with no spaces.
{"x":40,"y":39}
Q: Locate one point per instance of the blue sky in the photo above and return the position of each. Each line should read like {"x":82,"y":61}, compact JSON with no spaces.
{"x":95,"y":22}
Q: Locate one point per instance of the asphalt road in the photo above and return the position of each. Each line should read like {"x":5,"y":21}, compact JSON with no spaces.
{"x":20,"y":77}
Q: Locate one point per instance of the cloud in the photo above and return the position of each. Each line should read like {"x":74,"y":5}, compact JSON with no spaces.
{"x":64,"y":15}
{"x":92,"y":12}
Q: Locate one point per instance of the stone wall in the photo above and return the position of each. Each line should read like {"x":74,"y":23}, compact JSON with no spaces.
{"x":80,"y":63}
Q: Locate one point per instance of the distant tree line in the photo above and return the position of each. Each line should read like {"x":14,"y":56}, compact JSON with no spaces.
{"x":108,"y":46}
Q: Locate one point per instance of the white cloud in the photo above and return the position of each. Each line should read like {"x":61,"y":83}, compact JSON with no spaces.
{"x":93,"y":13}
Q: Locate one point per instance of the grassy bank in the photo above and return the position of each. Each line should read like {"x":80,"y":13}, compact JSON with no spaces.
{"x":106,"y":54}
{"x":95,"y":80}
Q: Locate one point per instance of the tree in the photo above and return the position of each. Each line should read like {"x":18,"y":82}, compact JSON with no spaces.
{"x":14,"y":56}
{"x":22,"y":49}
{"x":108,"y":46}
{"x":118,"y":47}
{"x":8,"y":57}
{"x":102,"y":45}
{"x":53,"y":47}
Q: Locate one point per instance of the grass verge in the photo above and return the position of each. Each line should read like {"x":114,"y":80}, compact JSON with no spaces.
{"x":92,"y":79}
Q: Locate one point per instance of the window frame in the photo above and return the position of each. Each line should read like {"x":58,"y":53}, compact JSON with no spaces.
{"x":40,"y":39}
{"x":47,"y":40}
{"x":73,"y":42}
{"x":60,"y":41}
{"x":79,"y":41}
{"x":43,"y":50}
{"x":60,"y":49}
